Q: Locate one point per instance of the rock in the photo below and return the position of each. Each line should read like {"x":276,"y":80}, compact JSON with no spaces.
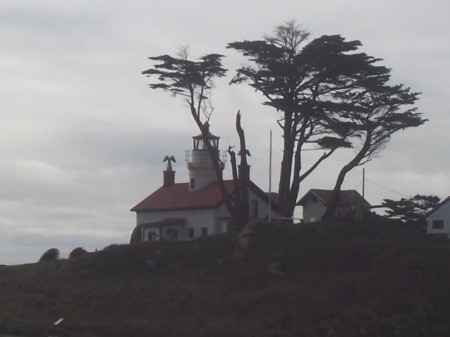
{"x":50,"y":255}
{"x":242,"y":241}
{"x":274,"y":271}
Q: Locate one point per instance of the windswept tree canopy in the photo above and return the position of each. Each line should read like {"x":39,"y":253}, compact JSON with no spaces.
{"x":370,"y":115}
{"x":410,"y":209}
{"x":329,"y":94}
{"x":305,"y":82}
{"x":191,"y":79}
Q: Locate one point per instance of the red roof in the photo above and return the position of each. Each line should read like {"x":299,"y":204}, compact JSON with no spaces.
{"x":350,"y":197}
{"x":178,"y":196}
{"x":209,"y":135}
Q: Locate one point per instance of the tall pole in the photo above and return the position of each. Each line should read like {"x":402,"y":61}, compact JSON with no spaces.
{"x":363,"y":182}
{"x":269,"y":211}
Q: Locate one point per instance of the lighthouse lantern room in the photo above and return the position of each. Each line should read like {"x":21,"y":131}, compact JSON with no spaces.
{"x":198,"y":160}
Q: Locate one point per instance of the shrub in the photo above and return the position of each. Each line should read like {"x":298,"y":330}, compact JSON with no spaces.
{"x":77,"y":252}
{"x":50,"y":255}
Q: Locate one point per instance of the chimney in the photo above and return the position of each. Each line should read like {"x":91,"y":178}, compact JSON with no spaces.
{"x":169,"y":174}
{"x":169,"y":178}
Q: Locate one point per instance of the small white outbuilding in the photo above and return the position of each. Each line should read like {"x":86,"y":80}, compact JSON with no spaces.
{"x":438,"y":220}
{"x":315,"y":203}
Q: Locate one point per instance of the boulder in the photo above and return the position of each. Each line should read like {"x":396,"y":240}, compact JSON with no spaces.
{"x":244,"y":238}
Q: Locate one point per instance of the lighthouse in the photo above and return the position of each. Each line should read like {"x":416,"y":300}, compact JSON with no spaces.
{"x":199,"y":161}
{"x":190,"y":210}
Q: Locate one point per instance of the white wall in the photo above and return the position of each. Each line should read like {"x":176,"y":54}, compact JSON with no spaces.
{"x":195,"y":218}
{"x":313,"y":211}
{"x":263,"y":209}
{"x":442,"y":213}
{"x":215,"y":220}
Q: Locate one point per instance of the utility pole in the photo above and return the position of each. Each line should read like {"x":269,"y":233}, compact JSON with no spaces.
{"x":269,"y":211}
{"x":363,"y":181}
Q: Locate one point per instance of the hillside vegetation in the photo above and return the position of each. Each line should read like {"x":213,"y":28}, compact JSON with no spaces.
{"x":332,"y":279}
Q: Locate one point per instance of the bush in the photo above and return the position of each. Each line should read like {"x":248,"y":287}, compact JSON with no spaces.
{"x":50,"y":255}
{"x":77,"y":252}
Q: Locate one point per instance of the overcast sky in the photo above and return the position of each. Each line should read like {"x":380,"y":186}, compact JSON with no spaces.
{"x":83,"y":137}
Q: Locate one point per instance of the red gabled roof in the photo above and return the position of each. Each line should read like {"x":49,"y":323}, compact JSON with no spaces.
{"x":350,"y":197}
{"x":178,"y":196}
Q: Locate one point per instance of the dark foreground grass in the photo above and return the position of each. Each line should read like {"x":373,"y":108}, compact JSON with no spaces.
{"x":374,"y":279}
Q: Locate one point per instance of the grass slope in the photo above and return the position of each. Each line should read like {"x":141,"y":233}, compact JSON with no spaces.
{"x":337,"y":280}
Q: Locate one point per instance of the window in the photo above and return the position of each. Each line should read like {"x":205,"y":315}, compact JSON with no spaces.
{"x":192,"y":183}
{"x":437,"y":224}
{"x":200,"y":143}
{"x":151,"y":236}
{"x":204,"y":232}
{"x":253,"y":208}
{"x":191,"y":232}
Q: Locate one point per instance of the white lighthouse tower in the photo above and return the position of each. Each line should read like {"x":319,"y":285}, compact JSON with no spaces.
{"x":199,"y":163}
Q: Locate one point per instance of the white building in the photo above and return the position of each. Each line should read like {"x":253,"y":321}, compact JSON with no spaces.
{"x":438,"y":220}
{"x":315,"y":203}
{"x":185,"y":211}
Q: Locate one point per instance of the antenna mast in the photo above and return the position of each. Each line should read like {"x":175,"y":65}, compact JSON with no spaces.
{"x":269,"y":211}
{"x":363,"y":181}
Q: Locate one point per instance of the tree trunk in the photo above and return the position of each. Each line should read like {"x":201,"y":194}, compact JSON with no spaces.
{"x":295,"y":185}
{"x":244,"y":172}
{"x":286,"y":168}
{"x":237,"y":195}
{"x":237,"y":204}
{"x":241,"y":178}
{"x":334,"y":199}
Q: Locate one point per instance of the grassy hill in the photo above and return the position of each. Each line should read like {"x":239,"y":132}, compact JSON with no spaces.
{"x":332,"y":279}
